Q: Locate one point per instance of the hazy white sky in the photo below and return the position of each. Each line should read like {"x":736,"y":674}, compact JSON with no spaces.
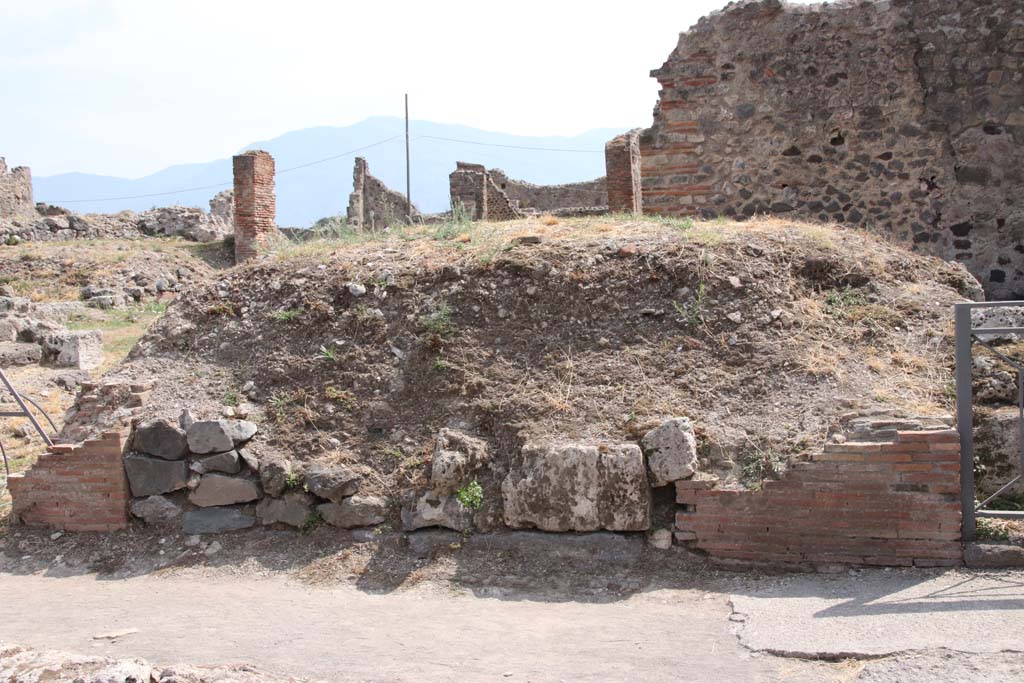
{"x":126,"y":87}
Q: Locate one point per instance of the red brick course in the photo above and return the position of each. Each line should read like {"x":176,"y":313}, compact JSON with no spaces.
{"x":255,"y":203}
{"x":893,"y":503}
{"x":79,"y":487}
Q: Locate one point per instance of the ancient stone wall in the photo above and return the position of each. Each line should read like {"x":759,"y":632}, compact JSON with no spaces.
{"x":551,"y":197}
{"x":222,"y":207}
{"x":255,"y":204}
{"x":472,"y":188}
{"x":374,"y":206}
{"x":491,"y":195}
{"x":15,"y":191}
{"x":893,"y":503}
{"x":902,"y":117}
{"x":622,"y":161}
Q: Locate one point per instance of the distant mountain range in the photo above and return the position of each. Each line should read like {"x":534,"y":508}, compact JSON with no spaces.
{"x":308,"y":193}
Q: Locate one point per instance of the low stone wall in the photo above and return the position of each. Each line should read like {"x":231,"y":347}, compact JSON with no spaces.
{"x":892,"y":503}
{"x":490,"y":195}
{"x":80,"y":487}
{"x":551,"y":197}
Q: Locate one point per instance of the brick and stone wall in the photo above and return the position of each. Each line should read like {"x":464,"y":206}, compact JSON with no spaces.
{"x":15,"y":191}
{"x":590,"y":193}
{"x":374,"y":206}
{"x":622,"y":161}
{"x":255,"y":205}
{"x":75,"y":487}
{"x":892,"y":503}
{"x":489,"y":194}
{"x":902,"y":117}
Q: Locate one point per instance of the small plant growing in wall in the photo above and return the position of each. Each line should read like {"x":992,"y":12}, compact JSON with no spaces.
{"x":471,"y":495}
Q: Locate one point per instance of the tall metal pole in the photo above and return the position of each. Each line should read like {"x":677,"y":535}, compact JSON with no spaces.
{"x":965,"y":417}
{"x":408,"y":192}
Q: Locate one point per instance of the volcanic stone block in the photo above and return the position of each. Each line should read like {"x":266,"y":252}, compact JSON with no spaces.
{"x":218,"y":436}
{"x":161,"y":438}
{"x":220,"y":489}
{"x":671,"y":451}
{"x":13,"y":353}
{"x":456,"y":455}
{"x":333,"y":482}
{"x":82,"y":349}
{"x":228,"y":462}
{"x":156,"y":510}
{"x":149,"y":476}
{"x":355,"y":511}
{"x":578,"y":487}
{"x":292,"y":508}
{"x":431,"y":509}
{"x":216,"y":520}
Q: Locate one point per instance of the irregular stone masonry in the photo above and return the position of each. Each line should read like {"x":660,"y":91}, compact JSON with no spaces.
{"x":590,"y":193}
{"x":372,"y":205}
{"x":15,"y":191}
{"x":902,"y":117}
{"x":79,"y":487}
{"x":472,"y":188}
{"x":491,"y":195}
{"x":255,"y":205}
{"x":892,"y":503}
{"x":622,"y":162}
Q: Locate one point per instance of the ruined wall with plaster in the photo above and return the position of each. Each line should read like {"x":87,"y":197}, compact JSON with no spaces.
{"x":373,"y":205}
{"x":15,"y":191}
{"x":904,"y":117}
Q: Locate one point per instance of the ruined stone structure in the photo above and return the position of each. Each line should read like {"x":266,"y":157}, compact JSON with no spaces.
{"x":222,"y":207}
{"x":372,"y":205}
{"x":15,"y":191}
{"x":903,"y":117}
{"x":474,"y":189}
{"x":622,"y":161}
{"x":80,"y":483}
{"x":893,"y":502}
{"x":255,"y":205}
{"x":491,"y":195}
{"x":589,"y":193}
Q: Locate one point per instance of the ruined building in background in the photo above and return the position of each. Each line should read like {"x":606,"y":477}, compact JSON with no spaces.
{"x":16,"y":192}
{"x":491,"y":195}
{"x":903,"y":117}
{"x":372,"y":205}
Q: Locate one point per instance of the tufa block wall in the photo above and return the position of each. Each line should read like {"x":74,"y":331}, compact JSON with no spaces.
{"x":902,"y":117}
{"x":255,"y":205}
{"x":372,"y":204}
{"x":893,"y":503}
{"x":622,"y":161}
{"x":16,"y":192}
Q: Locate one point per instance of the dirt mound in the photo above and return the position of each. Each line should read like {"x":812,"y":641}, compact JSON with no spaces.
{"x":593,"y":329}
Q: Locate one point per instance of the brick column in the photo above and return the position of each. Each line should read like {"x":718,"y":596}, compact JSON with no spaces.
{"x":254,"y":202}
{"x":622,"y":166}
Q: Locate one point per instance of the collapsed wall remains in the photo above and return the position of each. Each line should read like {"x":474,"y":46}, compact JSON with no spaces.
{"x":374,"y":206}
{"x":589,"y":193}
{"x":490,"y":195}
{"x":902,"y":117}
{"x":15,"y":191}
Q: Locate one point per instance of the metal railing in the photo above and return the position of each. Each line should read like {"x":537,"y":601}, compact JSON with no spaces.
{"x":23,"y":411}
{"x":966,"y":336}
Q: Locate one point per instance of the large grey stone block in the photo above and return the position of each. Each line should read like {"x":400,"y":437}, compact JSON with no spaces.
{"x":216,"y":520}
{"x":578,"y":487}
{"x":148,"y":476}
{"x":220,"y":489}
{"x":161,"y":438}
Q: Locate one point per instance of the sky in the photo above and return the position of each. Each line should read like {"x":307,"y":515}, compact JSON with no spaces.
{"x":127,"y":87}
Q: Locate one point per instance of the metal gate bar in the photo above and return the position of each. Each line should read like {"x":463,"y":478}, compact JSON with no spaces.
{"x":966,"y":334}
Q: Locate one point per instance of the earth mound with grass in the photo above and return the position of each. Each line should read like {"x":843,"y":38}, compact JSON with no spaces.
{"x":360,"y":349}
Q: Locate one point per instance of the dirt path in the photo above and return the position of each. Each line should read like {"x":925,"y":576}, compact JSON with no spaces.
{"x":343,"y":634}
